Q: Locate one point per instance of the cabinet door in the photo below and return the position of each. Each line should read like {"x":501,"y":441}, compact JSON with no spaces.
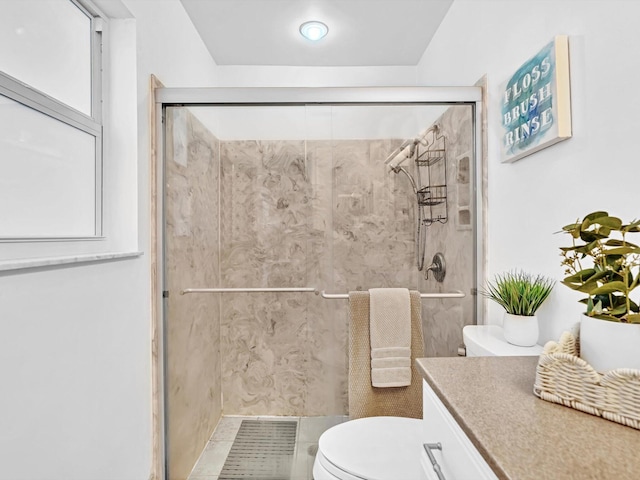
{"x":458,"y":458}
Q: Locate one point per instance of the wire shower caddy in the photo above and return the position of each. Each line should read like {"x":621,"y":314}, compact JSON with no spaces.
{"x":432,"y":185}
{"x":431,"y":189}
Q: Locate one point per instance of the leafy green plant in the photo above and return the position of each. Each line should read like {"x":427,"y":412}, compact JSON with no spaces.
{"x":603,"y":264}
{"x":519,"y":293}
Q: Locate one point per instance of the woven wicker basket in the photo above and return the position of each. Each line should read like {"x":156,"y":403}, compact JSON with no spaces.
{"x":563,"y":377}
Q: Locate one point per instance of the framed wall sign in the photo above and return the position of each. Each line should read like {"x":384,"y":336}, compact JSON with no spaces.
{"x":536,"y":103}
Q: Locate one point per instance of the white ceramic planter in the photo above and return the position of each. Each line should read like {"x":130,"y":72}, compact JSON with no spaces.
{"x":520,"y":330}
{"x":608,"y":345}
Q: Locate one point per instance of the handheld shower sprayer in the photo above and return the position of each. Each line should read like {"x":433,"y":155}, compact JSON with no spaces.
{"x":404,"y":152}
{"x":407,"y":149}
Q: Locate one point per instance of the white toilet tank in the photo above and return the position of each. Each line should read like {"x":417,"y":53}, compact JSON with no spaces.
{"x":488,"y":340}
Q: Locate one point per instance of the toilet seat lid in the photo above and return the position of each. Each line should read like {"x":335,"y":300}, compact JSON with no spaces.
{"x":375,"y":448}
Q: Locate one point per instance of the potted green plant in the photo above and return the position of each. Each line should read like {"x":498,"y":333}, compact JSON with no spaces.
{"x":521,"y":295}
{"x":603,"y":264}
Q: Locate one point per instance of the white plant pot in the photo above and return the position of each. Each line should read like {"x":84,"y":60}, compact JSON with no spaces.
{"x":520,"y":330}
{"x":608,"y":345}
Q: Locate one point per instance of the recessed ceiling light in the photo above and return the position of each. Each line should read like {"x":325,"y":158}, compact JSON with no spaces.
{"x":313,"y":30}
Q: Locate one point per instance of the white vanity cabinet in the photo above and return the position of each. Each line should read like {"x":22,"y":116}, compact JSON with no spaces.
{"x":456,"y":457}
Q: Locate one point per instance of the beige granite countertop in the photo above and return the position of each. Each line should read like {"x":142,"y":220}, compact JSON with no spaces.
{"x":521,"y":436}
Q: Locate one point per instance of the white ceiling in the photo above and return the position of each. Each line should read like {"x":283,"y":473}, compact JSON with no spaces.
{"x":361,"y":32}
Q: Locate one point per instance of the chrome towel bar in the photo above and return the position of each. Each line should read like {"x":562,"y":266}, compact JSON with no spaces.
{"x":454,"y":294}
{"x":248,"y":290}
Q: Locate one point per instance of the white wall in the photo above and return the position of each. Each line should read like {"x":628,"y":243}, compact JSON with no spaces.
{"x":534,"y":197}
{"x":74,"y":363}
{"x":289,"y":76}
{"x":170,"y":48}
{"x":75,"y":344}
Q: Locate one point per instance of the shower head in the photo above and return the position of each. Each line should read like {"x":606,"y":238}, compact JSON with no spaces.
{"x":397,"y":151}
{"x":404,"y":151}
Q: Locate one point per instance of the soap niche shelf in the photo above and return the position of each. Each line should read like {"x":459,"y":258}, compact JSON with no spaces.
{"x":462,"y":176}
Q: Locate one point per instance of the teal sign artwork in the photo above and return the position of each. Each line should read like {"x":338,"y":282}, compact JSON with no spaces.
{"x":535,"y":103}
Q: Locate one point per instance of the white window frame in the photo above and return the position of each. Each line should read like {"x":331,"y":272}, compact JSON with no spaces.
{"x":30,"y":97}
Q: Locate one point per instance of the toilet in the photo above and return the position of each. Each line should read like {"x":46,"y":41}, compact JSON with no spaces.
{"x":488,"y":341}
{"x":388,"y":448}
{"x":373,"y":448}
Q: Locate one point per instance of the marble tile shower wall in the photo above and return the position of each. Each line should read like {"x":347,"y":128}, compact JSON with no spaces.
{"x":443,"y":319}
{"x":321,"y":214}
{"x":373,"y":240}
{"x":324,"y":214}
{"x":192,"y":325}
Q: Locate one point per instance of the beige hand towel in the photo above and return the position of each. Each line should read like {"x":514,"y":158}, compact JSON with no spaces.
{"x":390,"y":335}
{"x":364,"y":399}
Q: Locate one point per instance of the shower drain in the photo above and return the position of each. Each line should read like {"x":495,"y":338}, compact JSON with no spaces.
{"x":262,"y":449}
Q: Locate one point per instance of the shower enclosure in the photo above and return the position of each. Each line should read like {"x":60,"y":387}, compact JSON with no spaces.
{"x":271,"y":208}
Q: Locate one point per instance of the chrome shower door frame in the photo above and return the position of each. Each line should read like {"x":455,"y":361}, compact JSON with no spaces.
{"x":284,"y":96}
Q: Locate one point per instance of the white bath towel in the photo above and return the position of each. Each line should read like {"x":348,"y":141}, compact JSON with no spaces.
{"x":390,"y":334}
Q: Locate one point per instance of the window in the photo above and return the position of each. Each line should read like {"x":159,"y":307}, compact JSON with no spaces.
{"x":50,"y":120}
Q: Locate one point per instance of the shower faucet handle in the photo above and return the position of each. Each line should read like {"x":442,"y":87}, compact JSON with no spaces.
{"x":438,"y":267}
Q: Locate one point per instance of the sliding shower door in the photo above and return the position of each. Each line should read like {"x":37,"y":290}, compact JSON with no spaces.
{"x":302,"y":197}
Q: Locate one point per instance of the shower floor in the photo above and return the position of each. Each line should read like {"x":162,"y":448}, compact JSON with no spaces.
{"x":309,"y":429}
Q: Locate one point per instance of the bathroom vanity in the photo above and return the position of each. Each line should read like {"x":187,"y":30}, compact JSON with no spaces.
{"x":505,"y":431}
